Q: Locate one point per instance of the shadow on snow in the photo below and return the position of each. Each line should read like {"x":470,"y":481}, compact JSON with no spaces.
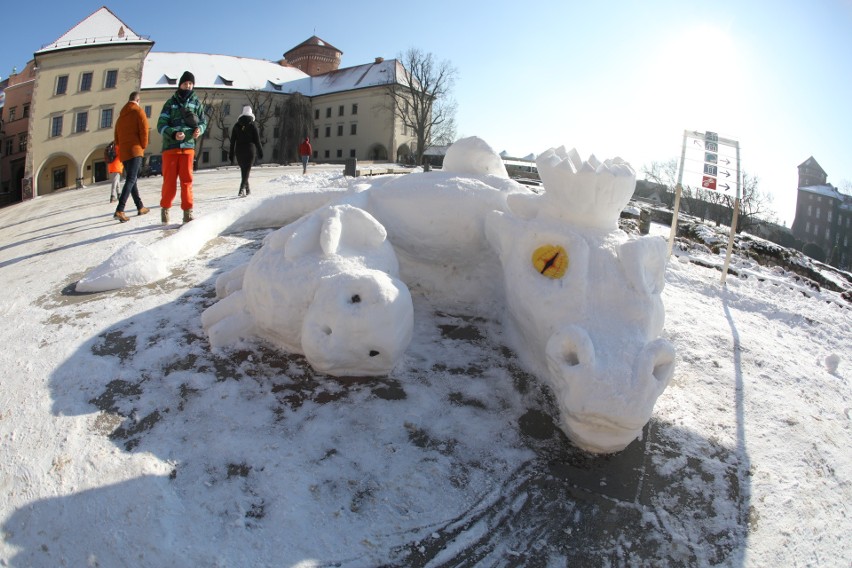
{"x":437,"y":464}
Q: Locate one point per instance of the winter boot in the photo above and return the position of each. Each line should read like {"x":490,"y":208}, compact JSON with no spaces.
{"x":187,"y":216}
{"x":242,"y":192}
{"x":164,"y":216}
{"x":248,"y":189}
{"x":121,"y":216}
{"x":142,"y":210}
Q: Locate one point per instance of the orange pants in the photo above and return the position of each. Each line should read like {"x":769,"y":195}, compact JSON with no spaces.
{"x":177,"y":162}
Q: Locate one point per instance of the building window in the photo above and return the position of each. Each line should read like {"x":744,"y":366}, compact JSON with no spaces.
{"x":224,"y":156}
{"x":148,"y":111}
{"x":828,"y":216}
{"x":106,"y":118}
{"x":340,"y":153}
{"x":328,"y":112}
{"x":352,"y":153}
{"x":277,"y":110}
{"x":56,"y":127}
{"x":807,"y":227}
{"x":354,"y":108}
{"x":205,"y":157}
{"x":827,"y":234}
{"x":328,"y":132}
{"x":86,"y":81}
{"x":340,"y":130}
{"x":12,"y":112}
{"x":316,"y":114}
{"x":22,"y":143}
{"x":327,"y":154}
{"x":340,"y":110}
{"x":61,"y":84}
{"x":226,"y":109}
{"x":810,"y":210}
{"x":817,"y":212}
{"x":26,"y":112}
{"x":111,"y":79}
{"x":353,"y":129}
{"x":82,"y":121}
{"x":316,"y":133}
{"x":9,"y":144}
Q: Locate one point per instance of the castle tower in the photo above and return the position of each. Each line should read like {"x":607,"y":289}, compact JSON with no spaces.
{"x":810,"y":173}
{"x":314,"y":57}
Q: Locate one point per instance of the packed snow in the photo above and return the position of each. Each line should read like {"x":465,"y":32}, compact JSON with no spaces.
{"x":128,"y":439}
{"x":582,"y":301}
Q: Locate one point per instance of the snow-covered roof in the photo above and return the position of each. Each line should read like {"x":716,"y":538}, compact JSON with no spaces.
{"x":351,"y":78}
{"x":100,"y":28}
{"x":313,"y":40}
{"x":163,"y":70}
{"x":826,"y":190}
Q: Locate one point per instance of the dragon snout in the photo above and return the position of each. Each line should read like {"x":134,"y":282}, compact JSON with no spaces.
{"x":606,"y":399}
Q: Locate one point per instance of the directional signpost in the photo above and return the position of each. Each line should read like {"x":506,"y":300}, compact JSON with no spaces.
{"x":710,"y":161}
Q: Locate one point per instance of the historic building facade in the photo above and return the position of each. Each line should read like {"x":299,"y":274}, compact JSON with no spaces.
{"x":14,"y":128}
{"x":823,"y":215}
{"x":82,"y":80}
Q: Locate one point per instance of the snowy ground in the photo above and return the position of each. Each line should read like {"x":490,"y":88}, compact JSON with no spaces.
{"x":125,"y":441}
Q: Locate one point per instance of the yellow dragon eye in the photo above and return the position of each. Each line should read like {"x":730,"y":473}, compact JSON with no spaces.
{"x":550,"y":261}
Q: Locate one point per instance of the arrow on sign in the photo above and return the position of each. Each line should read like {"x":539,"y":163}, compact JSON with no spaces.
{"x":726,"y":186}
{"x":727,"y":162}
{"x":727,"y":173}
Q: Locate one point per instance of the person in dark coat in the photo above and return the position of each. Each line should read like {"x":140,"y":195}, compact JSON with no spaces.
{"x":244,"y":141}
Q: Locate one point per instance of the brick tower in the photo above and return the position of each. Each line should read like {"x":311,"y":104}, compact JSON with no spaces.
{"x":314,"y":57}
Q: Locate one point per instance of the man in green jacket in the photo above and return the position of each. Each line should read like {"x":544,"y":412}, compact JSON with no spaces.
{"x":181,"y":123}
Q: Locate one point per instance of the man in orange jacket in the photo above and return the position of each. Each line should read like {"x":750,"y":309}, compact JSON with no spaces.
{"x":131,"y":137}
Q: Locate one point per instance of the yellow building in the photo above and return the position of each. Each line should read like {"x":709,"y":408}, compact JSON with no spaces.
{"x":84,"y":78}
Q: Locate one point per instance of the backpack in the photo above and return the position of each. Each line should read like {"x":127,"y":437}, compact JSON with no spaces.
{"x":109,"y":152}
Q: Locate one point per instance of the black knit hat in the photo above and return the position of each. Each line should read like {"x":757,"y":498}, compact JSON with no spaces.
{"x":187,"y":76}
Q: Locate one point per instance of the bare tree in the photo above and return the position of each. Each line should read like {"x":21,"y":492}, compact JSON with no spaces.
{"x":216,"y":117}
{"x":206,"y":101}
{"x":420,"y":98}
{"x":755,"y":205}
{"x":261,"y":105}
{"x":665,"y":173}
{"x":296,"y":122}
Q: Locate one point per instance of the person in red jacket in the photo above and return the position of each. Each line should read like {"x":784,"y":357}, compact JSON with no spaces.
{"x":305,"y":152}
{"x":115,"y":168}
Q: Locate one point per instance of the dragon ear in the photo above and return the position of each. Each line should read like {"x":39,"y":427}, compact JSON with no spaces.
{"x":303,"y":237}
{"x":643,"y":261}
{"x":348,"y":227}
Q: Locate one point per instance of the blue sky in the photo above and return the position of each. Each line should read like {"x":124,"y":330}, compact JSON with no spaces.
{"x":613,"y":78}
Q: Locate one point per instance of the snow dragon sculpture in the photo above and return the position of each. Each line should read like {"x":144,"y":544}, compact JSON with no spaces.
{"x":579,"y":298}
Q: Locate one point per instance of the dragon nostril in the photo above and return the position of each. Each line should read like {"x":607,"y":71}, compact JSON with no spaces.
{"x":663,"y":371}
{"x":326,"y":330}
{"x":571,"y":358}
{"x":355,"y":299}
{"x":373,"y":353}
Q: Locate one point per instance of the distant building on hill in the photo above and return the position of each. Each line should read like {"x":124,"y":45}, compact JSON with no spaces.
{"x":823,"y":215}
{"x":83,"y":79}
